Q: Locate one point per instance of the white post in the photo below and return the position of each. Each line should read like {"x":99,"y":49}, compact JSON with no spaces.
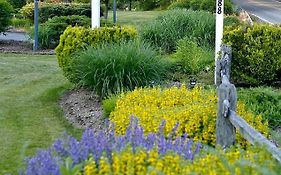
{"x":219,"y":30}
{"x":95,"y":13}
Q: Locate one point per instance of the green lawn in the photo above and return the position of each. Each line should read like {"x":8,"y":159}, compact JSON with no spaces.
{"x":30,"y":118}
{"x":137,"y":18}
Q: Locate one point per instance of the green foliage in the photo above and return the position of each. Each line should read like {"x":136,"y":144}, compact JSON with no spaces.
{"x":176,"y":24}
{"x":109,"y":104}
{"x":17,"y":3}
{"x":50,"y":10}
{"x":256,"y":53}
{"x":231,"y":21}
{"x":190,"y":58}
{"x":207,"y":5}
{"x":180,"y":4}
{"x":79,"y":38}
{"x":264,"y":101}
{"x":148,"y":4}
{"x":5,"y":15}
{"x":69,"y":169}
{"x":115,"y":68}
{"x":50,"y":31}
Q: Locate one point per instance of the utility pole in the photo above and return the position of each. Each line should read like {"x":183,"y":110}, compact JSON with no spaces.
{"x":95,"y":13}
{"x":35,"y":44}
{"x":219,"y":31}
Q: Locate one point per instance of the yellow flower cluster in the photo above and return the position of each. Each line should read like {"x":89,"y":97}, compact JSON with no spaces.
{"x":140,"y":163}
{"x":195,"y":110}
{"x":238,"y":161}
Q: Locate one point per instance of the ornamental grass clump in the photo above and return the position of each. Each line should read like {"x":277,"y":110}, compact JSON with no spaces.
{"x":195,"y":111}
{"x":106,"y":150}
{"x":115,"y":68}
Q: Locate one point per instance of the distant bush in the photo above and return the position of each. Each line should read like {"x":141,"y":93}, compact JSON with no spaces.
{"x":264,"y":101}
{"x":174,"y":25}
{"x":5,"y":15}
{"x":207,"y":5}
{"x":75,"y":39}
{"x":190,"y":58}
{"x":50,"y":31}
{"x":256,"y":53}
{"x":17,"y":3}
{"x":115,"y":68}
{"x":50,"y":10}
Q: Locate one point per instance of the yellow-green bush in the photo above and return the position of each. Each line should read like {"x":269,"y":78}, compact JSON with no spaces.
{"x":79,"y":38}
{"x":253,"y":161}
{"x":195,"y":110}
{"x":256,"y":53}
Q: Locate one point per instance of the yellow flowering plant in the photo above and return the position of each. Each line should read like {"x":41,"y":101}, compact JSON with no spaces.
{"x":194,"y":110}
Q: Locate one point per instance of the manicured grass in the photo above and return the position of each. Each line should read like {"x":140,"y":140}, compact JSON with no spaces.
{"x":30,"y":118}
{"x":137,"y":18}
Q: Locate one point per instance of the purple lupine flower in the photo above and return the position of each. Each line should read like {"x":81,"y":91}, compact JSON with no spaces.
{"x":74,"y":150}
{"x":42,"y":164}
{"x":60,"y":148}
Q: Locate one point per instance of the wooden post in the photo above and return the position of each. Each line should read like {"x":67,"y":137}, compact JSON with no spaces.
{"x":224,"y":63}
{"x":225,"y":131}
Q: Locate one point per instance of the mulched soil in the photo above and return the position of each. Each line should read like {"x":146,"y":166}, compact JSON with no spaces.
{"x":82,"y":108}
{"x":20,"y":47}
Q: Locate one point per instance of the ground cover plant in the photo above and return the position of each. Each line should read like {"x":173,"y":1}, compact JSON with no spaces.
{"x":265,"y":101}
{"x":29,"y":114}
{"x":195,"y":110}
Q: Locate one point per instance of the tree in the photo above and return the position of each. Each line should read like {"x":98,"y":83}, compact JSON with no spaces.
{"x":6,"y":11}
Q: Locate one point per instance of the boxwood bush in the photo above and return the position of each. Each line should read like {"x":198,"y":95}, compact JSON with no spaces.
{"x":118,"y":67}
{"x":174,"y":25}
{"x":5,"y":15}
{"x":80,"y":38}
{"x":256,"y":53}
{"x":49,"y":10}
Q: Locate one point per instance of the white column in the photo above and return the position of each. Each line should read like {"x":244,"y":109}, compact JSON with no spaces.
{"x":95,"y":13}
{"x":219,"y":30}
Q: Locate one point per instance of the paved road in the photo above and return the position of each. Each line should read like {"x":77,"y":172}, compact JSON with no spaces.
{"x":14,"y":36}
{"x":267,"y":10}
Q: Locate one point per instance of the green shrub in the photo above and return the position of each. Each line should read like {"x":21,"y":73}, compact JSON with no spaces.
{"x":231,"y":21}
{"x":176,"y":24}
{"x":50,"y":10}
{"x":195,"y":4}
{"x":5,"y":15}
{"x":50,"y":31}
{"x":180,"y":4}
{"x":190,"y":58}
{"x":108,"y":105}
{"x":17,"y":3}
{"x":207,"y":5}
{"x":256,"y":53}
{"x":115,"y":68}
{"x":79,"y":38}
{"x":264,"y":101}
